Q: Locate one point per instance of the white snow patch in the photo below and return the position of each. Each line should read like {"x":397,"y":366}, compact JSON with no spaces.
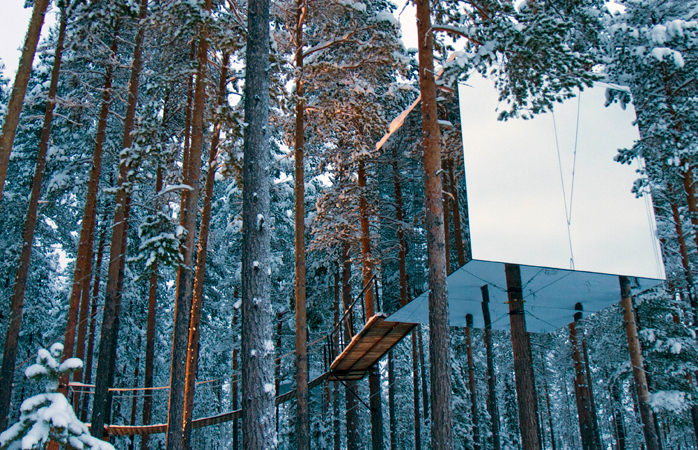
{"x":674,"y":401}
{"x":268,"y":388}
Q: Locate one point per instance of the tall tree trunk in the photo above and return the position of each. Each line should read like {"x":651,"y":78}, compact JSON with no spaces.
{"x":84,"y":258}
{"x":302,"y":410}
{"x":415,"y":393}
{"x":257,"y":356}
{"x":234,"y":385}
{"x":423,"y":368}
{"x":590,"y":395}
{"x":472,"y":386}
{"x":150,"y":330}
{"x":457,"y":226}
{"x":370,"y":308}
{"x":335,"y":345}
{"x":439,"y":339}
{"x":185,"y":275}
{"x":447,"y":217}
{"x":87,"y":377}
{"x":14,"y":107}
{"x":352,"y":417}
{"x":586,"y":431}
{"x":17,"y":305}
{"x":550,"y":416}
{"x":391,"y":401}
{"x":277,"y":365}
{"x":523,"y":362}
{"x":134,"y":399}
{"x":643,"y":395}
{"x":491,"y":380}
{"x":200,"y":275}
{"x":117,"y":253}
{"x":618,"y":422}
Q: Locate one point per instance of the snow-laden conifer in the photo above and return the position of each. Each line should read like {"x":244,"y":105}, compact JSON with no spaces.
{"x":49,"y":416}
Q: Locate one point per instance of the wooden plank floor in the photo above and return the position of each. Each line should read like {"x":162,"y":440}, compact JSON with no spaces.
{"x":376,"y":339}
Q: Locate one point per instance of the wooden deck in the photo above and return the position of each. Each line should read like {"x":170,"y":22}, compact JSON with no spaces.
{"x":368,"y":346}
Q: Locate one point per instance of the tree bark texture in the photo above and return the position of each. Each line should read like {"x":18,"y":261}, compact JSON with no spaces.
{"x":302,"y":409}
{"x":150,"y":331}
{"x":351,"y":416}
{"x":584,"y":412}
{"x":87,"y":374}
{"x":472,"y":386}
{"x":423,"y":369}
{"x":335,"y":344}
{"x":234,"y":386}
{"x":415,"y":393}
{"x":439,"y":339}
{"x":590,"y":394}
{"x":83,"y":260}
{"x":391,"y":401}
{"x":523,"y":362}
{"x":185,"y":274}
{"x":14,"y":106}
{"x":200,"y":274}
{"x":375,"y":402}
{"x":457,"y":226}
{"x":399,"y":216}
{"x":117,"y":254}
{"x":491,"y":380}
{"x":618,"y":421}
{"x":17,"y":304}
{"x":643,"y":395}
{"x":447,"y":218}
{"x":550,"y":415}
{"x":257,"y":350}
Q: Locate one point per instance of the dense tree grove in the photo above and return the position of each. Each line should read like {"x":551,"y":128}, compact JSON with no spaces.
{"x":162,"y":160}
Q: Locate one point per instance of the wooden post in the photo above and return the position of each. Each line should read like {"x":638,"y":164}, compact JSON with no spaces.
{"x":491,"y":380}
{"x":523,"y":362}
{"x":471,"y":380}
{"x":581,"y":390}
{"x":643,"y":394}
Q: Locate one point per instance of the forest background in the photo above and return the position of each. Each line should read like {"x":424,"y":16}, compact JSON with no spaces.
{"x":127,"y":154}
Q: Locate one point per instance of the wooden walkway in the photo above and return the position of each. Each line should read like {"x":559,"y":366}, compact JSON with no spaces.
{"x":376,"y":339}
{"x":126,"y":430}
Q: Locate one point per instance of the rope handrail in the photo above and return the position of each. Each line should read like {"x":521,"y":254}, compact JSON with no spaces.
{"x":351,"y":307}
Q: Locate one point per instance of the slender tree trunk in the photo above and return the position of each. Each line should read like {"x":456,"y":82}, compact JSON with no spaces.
{"x":643,"y":395}
{"x":491,"y":380}
{"x":277,"y":365}
{"x":472,"y":386}
{"x":302,"y":410}
{"x":134,"y":399}
{"x":117,"y":253}
{"x":352,"y":417}
{"x":439,"y":339}
{"x":586,"y":431}
{"x":234,"y":388}
{"x":87,"y":377}
{"x":370,"y":306}
{"x":84,"y":261}
{"x":423,"y":368}
{"x":14,"y":108}
{"x":457,"y":226}
{"x":550,"y":416}
{"x":150,"y":331}
{"x":335,"y":345}
{"x":590,"y":395}
{"x":181,"y":351}
{"x":257,"y":355}
{"x":618,"y":421}
{"x":415,"y":393}
{"x":7,"y":370}
{"x":198,"y":294}
{"x":391,"y":401}
{"x":523,"y":362}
